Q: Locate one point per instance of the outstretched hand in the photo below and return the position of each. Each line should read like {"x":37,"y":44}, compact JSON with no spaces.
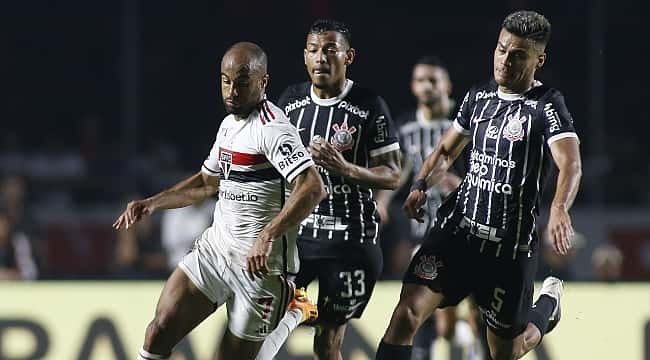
{"x":135,"y":211}
{"x":413,"y":205}
{"x":257,"y":261}
{"x":560,"y":230}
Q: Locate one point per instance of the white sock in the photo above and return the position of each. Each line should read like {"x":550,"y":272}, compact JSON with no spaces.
{"x":277,"y":337}
{"x":145,"y":355}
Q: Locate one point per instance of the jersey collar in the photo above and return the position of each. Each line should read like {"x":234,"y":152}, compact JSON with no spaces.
{"x":513,"y":97}
{"x":334,"y":100}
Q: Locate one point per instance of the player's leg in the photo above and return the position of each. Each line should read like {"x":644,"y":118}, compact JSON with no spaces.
{"x":345,"y":287}
{"x":543,"y":317}
{"x":446,"y":322}
{"x":438,"y":267}
{"x":423,"y":340}
{"x":181,"y":307}
{"x":416,"y":304}
{"x":232,"y":344}
{"x":300,"y":310}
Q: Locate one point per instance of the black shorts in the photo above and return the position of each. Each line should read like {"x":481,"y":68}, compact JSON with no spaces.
{"x":345,"y":283}
{"x":451,"y":262}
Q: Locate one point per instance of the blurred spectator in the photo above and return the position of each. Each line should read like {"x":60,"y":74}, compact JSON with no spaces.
{"x":12,"y":198}
{"x":607,"y":262}
{"x":139,"y":253}
{"x":180,"y":227}
{"x":16,"y":260}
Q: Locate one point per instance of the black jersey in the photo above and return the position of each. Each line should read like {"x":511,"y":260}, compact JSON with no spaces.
{"x":418,"y":138}
{"x":359,"y":125}
{"x":510,"y":135}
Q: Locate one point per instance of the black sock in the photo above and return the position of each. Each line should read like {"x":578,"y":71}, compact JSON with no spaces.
{"x":541,"y":312}
{"x":393,"y":352}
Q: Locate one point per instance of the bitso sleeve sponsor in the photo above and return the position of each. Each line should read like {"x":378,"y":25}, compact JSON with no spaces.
{"x":558,"y":120}
{"x":382,"y":136}
{"x":285,"y":150}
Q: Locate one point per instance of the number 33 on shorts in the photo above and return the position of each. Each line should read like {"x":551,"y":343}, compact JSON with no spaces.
{"x":353,"y":283}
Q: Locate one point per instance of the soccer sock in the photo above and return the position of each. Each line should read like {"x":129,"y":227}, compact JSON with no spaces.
{"x":540,"y":313}
{"x":277,"y":337}
{"x":423,"y":340}
{"x":145,"y":355}
{"x":393,"y":352}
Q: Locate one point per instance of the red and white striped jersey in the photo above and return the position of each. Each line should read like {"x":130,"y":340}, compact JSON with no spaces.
{"x":254,"y":158}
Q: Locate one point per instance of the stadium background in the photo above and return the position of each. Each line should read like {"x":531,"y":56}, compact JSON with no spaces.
{"x":106,"y":100}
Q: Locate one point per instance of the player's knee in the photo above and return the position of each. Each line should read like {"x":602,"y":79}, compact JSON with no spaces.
{"x":409,"y":318}
{"x":160,"y":326}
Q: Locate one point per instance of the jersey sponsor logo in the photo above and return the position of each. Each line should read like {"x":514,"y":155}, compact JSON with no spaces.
{"x":492,"y":132}
{"x":355,"y":110}
{"x":297,"y":104}
{"x":551,"y":116}
{"x":382,"y":129}
{"x":490,"y":317}
{"x":290,"y":156}
{"x":514,"y":131}
{"x":241,"y":197}
{"x":488,"y":184}
{"x":339,"y":189}
{"x":325,"y":222}
{"x":225,"y":162}
{"x":427,"y":267}
{"x":342,"y":138}
{"x":485,"y":95}
{"x":482,"y":159}
{"x":531,"y":103}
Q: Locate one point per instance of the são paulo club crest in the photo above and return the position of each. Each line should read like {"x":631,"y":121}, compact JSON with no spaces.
{"x":342,"y":138}
{"x":514,"y":130}
{"x":427,"y":267}
{"x":225,"y":162}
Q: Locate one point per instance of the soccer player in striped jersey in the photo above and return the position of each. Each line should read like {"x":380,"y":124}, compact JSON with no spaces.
{"x":350,"y":134}
{"x":484,"y":241}
{"x":243,"y":258}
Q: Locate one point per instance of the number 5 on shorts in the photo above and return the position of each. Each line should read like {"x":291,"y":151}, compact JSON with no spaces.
{"x":497,"y":303}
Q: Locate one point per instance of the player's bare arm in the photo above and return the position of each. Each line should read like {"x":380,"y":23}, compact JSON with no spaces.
{"x":308,"y":191}
{"x":383,"y":171}
{"x":566,"y":154}
{"x":194,"y":189}
{"x":434,"y":169}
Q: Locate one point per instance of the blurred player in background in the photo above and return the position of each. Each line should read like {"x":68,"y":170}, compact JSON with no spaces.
{"x":242,"y":259}
{"x":420,"y":131}
{"x":350,"y":134}
{"x":511,"y":122}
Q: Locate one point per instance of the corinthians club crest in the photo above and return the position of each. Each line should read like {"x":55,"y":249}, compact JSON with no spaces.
{"x":427,"y":267}
{"x":514,"y":130}
{"x":342,"y":138}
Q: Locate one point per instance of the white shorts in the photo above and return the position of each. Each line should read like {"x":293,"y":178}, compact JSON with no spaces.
{"x":255,"y":306}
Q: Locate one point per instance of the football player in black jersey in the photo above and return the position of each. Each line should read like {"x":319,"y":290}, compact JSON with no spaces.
{"x":484,"y":241}
{"x":350,"y":134}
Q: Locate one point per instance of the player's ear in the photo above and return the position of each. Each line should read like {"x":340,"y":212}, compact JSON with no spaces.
{"x":349,"y":56}
{"x":265,"y":81}
{"x":541,"y":59}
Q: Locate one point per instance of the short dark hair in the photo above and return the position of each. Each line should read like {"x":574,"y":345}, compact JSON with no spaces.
{"x":322,"y":25}
{"x":432,"y":60}
{"x":529,"y":25}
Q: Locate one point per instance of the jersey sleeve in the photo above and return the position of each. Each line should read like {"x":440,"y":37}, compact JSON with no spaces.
{"x":462,"y":121}
{"x":558,"y":123}
{"x":211,"y":164}
{"x":382,"y":135}
{"x":284,"y":149}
